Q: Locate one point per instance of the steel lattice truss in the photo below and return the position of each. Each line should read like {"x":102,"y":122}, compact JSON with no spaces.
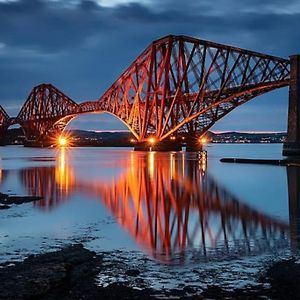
{"x":168,"y":206}
{"x":183,"y":84}
{"x":4,"y":119}
{"x":45,"y":112}
{"x":178,"y":84}
{"x":3,"y":116}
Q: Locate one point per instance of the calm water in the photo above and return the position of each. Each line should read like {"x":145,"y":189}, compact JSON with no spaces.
{"x":172,"y":207}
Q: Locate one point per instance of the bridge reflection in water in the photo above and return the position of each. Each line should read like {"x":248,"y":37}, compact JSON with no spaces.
{"x":169,"y":205}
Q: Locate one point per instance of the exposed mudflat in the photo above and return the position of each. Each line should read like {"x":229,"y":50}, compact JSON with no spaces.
{"x":75,"y":273}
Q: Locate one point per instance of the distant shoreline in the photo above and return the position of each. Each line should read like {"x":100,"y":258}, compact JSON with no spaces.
{"x":119,"y":145}
{"x":82,"y":138}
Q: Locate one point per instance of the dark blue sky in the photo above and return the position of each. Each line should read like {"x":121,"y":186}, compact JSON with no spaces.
{"x":82,"y":46}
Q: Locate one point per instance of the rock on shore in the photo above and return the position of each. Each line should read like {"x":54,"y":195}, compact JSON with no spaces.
{"x":65,"y":274}
{"x":70,"y":274}
{"x":7,"y":200}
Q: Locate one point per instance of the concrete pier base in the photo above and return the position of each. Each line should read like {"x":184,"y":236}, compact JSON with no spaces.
{"x":193,"y":145}
{"x":292,"y":146}
{"x":161,"y":146}
{"x":193,"y":148}
{"x":291,"y":149}
{"x":37,"y":144}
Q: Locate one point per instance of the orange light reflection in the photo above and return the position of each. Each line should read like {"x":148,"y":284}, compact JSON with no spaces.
{"x":165,"y":213}
{"x":63,"y":173}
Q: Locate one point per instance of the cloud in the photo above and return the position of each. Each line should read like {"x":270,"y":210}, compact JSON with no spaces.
{"x":82,"y":46}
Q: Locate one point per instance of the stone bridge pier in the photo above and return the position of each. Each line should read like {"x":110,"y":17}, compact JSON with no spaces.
{"x":292,"y":145}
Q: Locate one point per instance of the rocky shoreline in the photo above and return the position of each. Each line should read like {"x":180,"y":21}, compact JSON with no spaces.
{"x":6,"y":201}
{"x":71,"y":272}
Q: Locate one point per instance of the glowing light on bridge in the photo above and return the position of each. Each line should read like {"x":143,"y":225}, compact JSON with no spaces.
{"x":203,"y":141}
{"x":152,"y":140}
{"x":62,"y":141}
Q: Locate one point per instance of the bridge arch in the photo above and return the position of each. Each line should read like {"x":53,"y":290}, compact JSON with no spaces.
{"x":42,"y":111}
{"x":64,"y":122}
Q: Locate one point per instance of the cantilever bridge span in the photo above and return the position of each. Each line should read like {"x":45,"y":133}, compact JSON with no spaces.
{"x":178,"y":85}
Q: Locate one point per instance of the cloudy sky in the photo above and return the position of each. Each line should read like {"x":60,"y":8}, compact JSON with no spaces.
{"x":81,"y":46}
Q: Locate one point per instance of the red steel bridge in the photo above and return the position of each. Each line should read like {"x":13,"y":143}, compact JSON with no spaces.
{"x":178,"y":85}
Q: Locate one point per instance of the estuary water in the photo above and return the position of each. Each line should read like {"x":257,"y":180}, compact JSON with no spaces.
{"x":170,"y":209}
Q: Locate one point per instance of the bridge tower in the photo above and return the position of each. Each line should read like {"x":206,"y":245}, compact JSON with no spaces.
{"x":292,"y":146}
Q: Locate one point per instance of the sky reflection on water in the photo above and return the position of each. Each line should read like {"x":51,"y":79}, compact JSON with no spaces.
{"x":169,"y":205}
